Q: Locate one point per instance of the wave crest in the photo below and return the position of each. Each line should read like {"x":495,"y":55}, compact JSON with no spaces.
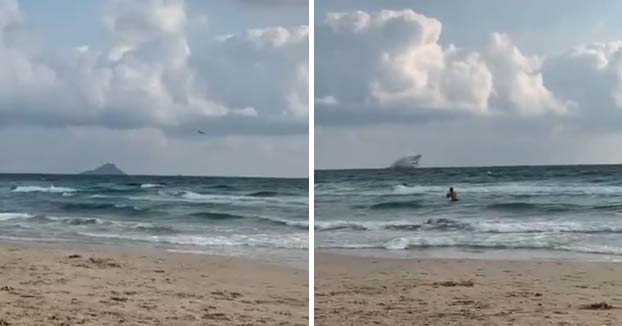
{"x":12,"y":216}
{"x":150,"y":185}
{"x":285,"y":241}
{"x":51,"y":189}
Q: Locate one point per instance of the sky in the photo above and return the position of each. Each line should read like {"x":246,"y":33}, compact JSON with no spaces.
{"x":130,"y":82}
{"x":467,"y":83}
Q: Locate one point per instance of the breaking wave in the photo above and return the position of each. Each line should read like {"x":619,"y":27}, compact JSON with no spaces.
{"x":51,"y":189}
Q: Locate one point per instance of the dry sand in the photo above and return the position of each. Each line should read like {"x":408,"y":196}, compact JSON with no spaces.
{"x":369,"y":291}
{"x":48,"y":285}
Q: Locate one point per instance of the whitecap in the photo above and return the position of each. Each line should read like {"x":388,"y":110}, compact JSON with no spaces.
{"x":12,"y":216}
{"x":150,"y":185}
{"x":51,"y":189}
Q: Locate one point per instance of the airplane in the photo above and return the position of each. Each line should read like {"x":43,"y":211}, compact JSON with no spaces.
{"x":201,"y":132}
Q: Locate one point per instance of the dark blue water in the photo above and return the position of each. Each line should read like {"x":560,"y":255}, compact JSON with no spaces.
{"x":207,"y":214}
{"x":548,"y":211}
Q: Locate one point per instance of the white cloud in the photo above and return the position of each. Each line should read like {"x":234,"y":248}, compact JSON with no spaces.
{"x":518,"y":81}
{"x":328,"y":100}
{"x":393,"y":58}
{"x":277,"y":37}
{"x":391,"y":83}
{"x":158,"y":72}
{"x":259,"y":63}
{"x":393,"y":62}
{"x":590,"y":77}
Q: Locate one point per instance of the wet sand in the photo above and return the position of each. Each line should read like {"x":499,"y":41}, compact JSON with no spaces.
{"x":377,"y":291}
{"x":52,"y":285}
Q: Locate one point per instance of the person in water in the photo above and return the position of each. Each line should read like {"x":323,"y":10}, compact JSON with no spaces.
{"x":452,"y":194}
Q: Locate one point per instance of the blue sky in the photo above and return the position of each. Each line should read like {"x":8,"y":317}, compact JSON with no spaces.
{"x":65,"y":23}
{"x":71,"y":23}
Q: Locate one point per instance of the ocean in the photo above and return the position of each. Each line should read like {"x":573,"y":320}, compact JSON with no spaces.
{"x":265,"y":218}
{"x":522,"y":212}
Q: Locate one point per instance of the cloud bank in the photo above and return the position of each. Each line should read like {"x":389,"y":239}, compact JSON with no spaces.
{"x":157,"y":71}
{"x":390,"y":66}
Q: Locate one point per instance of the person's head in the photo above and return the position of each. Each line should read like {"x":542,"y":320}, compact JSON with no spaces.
{"x":451,"y":189}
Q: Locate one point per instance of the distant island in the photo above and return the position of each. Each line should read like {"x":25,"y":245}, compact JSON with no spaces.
{"x":106,"y":169}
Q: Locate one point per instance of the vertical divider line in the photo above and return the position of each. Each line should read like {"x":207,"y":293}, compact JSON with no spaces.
{"x":311,"y":162}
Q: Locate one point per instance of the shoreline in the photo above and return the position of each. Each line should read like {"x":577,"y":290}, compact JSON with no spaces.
{"x":519,"y":255}
{"x":354,"y":290}
{"x":268,"y":256}
{"x":65,"y":284}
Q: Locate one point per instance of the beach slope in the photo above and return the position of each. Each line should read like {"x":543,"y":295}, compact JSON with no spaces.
{"x":381,"y":291}
{"x":46,"y":285}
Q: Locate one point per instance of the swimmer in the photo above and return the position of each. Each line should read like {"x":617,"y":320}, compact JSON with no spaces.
{"x":452,"y":194}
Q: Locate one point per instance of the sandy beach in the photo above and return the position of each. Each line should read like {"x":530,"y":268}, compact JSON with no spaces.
{"x":50,"y":285}
{"x":379,"y":291}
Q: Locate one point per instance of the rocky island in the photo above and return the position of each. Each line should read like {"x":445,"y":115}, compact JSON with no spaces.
{"x":106,"y":169}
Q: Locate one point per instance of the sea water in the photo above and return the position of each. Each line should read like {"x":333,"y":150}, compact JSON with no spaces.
{"x":503,"y":212}
{"x":259,"y":217}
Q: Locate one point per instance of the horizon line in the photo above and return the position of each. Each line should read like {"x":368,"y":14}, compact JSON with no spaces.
{"x":472,"y":166}
{"x":152,"y":175}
